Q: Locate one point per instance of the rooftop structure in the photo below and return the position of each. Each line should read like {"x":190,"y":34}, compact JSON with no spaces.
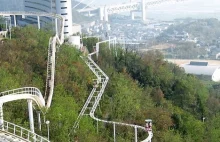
{"x":194,"y":63}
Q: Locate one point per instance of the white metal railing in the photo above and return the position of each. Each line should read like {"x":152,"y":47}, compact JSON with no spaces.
{"x":50,"y":72}
{"x":102,"y":80}
{"x":23,"y":133}
{"x":82,"y":112}
{"x":25,"y":90}
{"x":57,"y":39}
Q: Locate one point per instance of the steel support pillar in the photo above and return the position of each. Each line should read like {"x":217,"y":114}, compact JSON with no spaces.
{"x":105,"y":14}
{"x":31,"y":117}
{"x":114,"y":132}
{"x":135,"y":129}
{"x":56,"y":27}
{"x":97,"y":126}
{"x":6,"y":25}
{"x":115,"y":42}
{"x":1,"y":117}
{"x":97,"y":50}
{"x":15,"y":23}
{"x":109,"y":42}
{"x":143,"y":10}
{"x":101,"y":13}
{"x":132,"y":15}
{"x":38,"y":22}
{"x":39,"y":120}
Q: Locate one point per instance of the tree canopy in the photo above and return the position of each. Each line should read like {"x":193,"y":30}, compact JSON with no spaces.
{"x":141,"y":86}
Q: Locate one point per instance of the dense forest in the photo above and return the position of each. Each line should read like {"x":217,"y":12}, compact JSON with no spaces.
{"x":141,"y":86}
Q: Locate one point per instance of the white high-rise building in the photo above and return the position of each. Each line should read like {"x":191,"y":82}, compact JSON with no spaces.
{"x":62,"y":7}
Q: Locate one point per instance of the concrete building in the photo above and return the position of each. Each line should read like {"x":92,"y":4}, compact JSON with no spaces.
{"x":77,"y":29}
{"x":203,"y":68}
{"x":75,"y":40}
{"x":62,"y":7}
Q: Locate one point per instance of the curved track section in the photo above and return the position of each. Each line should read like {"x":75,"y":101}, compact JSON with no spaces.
{"x":57,"y":39}
{"x":23,"y":93}
{"x":27,"y":93}
{"x":30,"y":93}
{"x":150,"y":136}
{"x":96,"y":95}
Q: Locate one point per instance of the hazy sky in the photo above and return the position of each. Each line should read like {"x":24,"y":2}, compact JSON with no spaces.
{"x":172,"y":9}
{"x":189,"y":4}
{"x":199,"y":5}
{"x":187,"y":8}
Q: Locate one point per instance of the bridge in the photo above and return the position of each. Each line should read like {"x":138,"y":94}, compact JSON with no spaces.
{"x":132,"y":7}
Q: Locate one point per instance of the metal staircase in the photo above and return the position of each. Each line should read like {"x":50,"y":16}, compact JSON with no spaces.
{"x":50,"y":71}
{"x":95,"y":96}
{"x":88,"y":106}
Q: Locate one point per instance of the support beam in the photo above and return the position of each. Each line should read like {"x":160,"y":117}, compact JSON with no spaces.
{"x":143,"y":10}
{"x":97,"y":50}
{"x":115,"y":42}
{"x":31,"y":116}
{"x":97,"y":126}
{"x":109,"y":43}
{"x":39,"y":120}
{"x":105,"y":14}
{"x":132,"y":15}
{"x":89,"y":14}
{"x":101,"y":13}
{"x":6,"y":25}
{"x":56,"y":27}
{"x":1,"y":117}
{"x":114,"y":132}
{"x":38,"y":22}
{"x":135,"y":129}
{"x":15,"y":23}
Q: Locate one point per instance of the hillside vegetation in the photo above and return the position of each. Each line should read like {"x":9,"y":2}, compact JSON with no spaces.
{"x":206,"y":30}
{"x":140,"y":87}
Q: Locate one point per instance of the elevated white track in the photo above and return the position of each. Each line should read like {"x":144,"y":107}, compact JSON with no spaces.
{"x":96,"y":94}
{"x":30,"y":93}
{"x":33,"y":94}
